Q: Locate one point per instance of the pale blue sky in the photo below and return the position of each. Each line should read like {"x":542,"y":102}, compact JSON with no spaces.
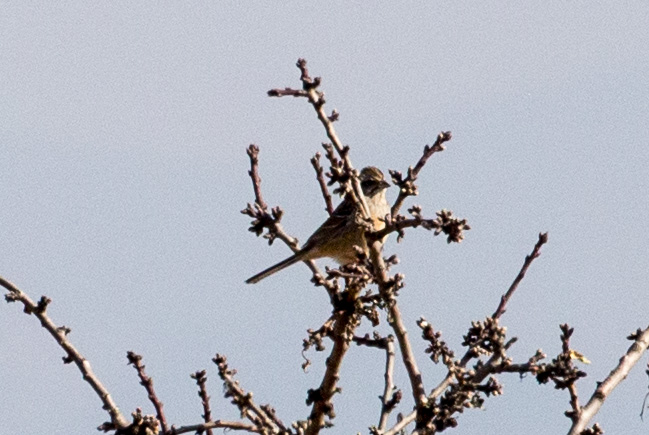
{"x":123,"y":130}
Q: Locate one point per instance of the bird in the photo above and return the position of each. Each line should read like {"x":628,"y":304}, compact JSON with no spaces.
{"x":344,"y":229}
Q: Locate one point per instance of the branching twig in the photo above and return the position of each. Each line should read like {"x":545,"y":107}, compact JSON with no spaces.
{"x":73,"y":355}
{"x":406,"y":186}
{"x":262,"y":219}
{"x":445,"y":223}
{"x":249,"y":409}
{"x":147,"y":383}
{"x":317,"y":100}
{"x":470,"y":353}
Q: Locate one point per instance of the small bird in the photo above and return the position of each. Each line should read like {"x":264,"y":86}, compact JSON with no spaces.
{"x":343,"y":230}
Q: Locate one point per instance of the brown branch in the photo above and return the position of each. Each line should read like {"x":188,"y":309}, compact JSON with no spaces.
{"x":262,"y":219}
{"x":256,"y":414}
{"x":217,"y":424}
{"x":253,"y":153}
{"x":406,"y":186}
{"x":469,"y":355}
{"x":73,"y":355}
{"x":390,"y":398}
{"x":317,"y":100}
{"x":147,"y":383}
{"x":387,"y":286}
{"x":201,"y":379}
{"x":445,"y":223}
{"x":543,"y":239}
{"x":315,"y":161}
{"x":566,"y":333}
{"x":604,"y":388}
{"x":345,"y":323}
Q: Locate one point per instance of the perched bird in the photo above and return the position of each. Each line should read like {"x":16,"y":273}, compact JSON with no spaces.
{"x":344,"y":229}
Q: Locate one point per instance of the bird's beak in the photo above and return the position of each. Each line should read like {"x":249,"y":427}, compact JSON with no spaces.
{"x":384,"y":184}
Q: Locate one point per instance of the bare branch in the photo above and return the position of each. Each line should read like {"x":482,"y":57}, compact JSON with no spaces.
{"x":604,"y":388}
{"x":147,"y":383}
{"x":253,"y":153}
{"x":317,"y":100}
{"x":390,"y":398}
{"x":73,"y":355}
{"x":470,"y":353}
{"x":387,"y":287}
{"x":345,"y":323}
{"x":262,"y":219}
{"x":407,"y":186}
{"x":201,"y":379}
{"x":249,"y":409}
{"x":543,"y":239}
{"x":217,"y":424}
{"x":445,"y":223}
{"x":315,"y":161}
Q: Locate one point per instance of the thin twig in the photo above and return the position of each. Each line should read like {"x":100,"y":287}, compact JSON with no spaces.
{"x":241,"y":399}
{"x":271,"y":221}
{"x":390,"y":398}
{"x":253,"y":153}
{"x":147,"y":383}
{"x":387,"y":402}
{"x":543,"y":239}
{"x":201,"y":379}
{"x":604,"y":388}
{"x":217,"y":424}
{"x":73,"y":355}
{"x":407,"y":186}
{"x":315,"y":161}
{"x":317,"y":100}
{"x":566,"y":333}
{"x":469,"y":355}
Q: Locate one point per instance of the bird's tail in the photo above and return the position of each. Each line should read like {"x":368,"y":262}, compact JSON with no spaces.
{"x":276,"y":268}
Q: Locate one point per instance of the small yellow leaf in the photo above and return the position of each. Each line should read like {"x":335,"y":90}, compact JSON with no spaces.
{"x":579,"y":356}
